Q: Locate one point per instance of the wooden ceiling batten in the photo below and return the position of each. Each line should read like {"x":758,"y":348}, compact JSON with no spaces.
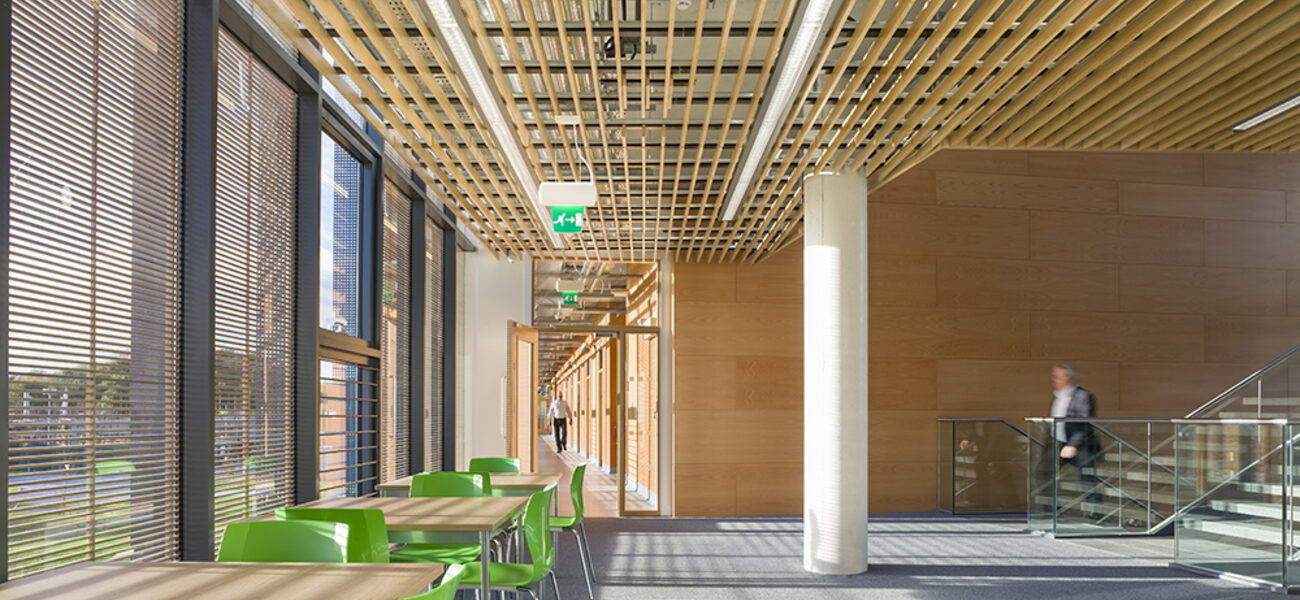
{"x":332,"y":15}
{"x":288,"y":27}
{"x":891,"y":83}
{"x":748,"y":233}
{"x":769,"y":64}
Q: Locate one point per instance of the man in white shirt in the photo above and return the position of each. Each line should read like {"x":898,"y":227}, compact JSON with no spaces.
{"x":559,"y":414}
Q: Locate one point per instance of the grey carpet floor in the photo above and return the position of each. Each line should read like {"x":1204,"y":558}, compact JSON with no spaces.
{"x":914,"y":556}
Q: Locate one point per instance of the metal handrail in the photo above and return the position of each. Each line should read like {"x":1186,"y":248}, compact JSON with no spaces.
{"x":1243,"y":383}
{"x":991,"y":420}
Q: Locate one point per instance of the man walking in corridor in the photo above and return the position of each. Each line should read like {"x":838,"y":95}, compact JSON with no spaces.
{"x":559,"y":414}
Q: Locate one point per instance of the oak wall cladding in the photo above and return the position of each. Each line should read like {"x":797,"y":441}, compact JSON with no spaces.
{"x":1164,"y":277}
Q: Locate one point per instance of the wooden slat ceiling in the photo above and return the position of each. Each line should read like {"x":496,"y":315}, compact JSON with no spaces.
{"x":668,"y":93}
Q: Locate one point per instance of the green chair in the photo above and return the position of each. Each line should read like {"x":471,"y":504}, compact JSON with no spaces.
{"x":284,"y":541}
{"x":446,"y":588}
{"x":494,"y":464}
{"x":368,"y":537}
{"x":518,"y":577}
{"x":367,"y":532}
{"x":450,"y":484}
{"x":574,"y":524}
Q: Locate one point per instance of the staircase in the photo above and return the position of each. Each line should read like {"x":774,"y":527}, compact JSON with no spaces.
{"x":1223,"y":479}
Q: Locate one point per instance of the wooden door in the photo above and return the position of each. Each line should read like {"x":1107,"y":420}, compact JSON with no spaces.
{"x":521,"y":394}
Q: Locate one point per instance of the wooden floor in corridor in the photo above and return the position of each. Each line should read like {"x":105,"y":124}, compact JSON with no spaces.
{"x":600,"y":488}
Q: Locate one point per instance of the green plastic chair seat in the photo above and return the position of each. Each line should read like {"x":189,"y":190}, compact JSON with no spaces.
{"x":537,"y":532}
{"x":443,"y":553}
{"x":564,"y":522}
{"x":503,"y":574}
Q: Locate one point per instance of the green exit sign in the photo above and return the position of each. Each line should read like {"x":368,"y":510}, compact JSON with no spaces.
{"x":567,"y":219}
{"x":569,"y":297}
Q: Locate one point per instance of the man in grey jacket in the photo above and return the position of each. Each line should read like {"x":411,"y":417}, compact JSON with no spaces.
{"x":1074,"y":442}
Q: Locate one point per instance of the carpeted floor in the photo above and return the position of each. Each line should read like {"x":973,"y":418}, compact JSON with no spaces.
{"x":926,"y":555}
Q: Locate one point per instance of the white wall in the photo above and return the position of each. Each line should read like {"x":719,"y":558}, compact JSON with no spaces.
{"x":490,"y":292}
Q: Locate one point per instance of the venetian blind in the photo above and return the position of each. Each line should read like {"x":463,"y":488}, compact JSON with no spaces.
{"x":255,"y":239}
{"x":395,"y":337}
{"x":94,"y":278}
{"x":433,"y":346}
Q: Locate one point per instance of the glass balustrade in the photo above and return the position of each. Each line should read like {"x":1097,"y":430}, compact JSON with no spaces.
{"x":1120,"y":480}
{"x":1236,"y":495}
{"x":981,"y":466}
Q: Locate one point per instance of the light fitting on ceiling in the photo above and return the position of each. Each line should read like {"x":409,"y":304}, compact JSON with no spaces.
{"x":812,"y":28}
{"x":1269,"y":113}
{"x":449,"y":24}
{"x":570,"y":193}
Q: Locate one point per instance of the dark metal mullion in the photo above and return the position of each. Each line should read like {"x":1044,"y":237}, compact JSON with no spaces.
{"x":416,"y":303}
{"x":307,"y":305}
{"x":448,"y":325}
{"x":198,"y":274}
{"x":370,"y":260}
{"x":6,"y":71}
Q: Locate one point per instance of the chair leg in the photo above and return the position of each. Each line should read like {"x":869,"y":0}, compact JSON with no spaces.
{"x":555,"y":584}
{"x":582,"y":557}
{"x":583,"y":530}
{"x":533,"y":593}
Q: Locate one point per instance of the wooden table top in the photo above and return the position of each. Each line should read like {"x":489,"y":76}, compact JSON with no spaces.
{"x":503,"y":481}
{"x":224,"y":581}
{"x":435,"y":514}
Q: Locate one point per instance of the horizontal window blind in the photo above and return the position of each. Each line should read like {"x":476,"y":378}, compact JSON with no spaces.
{"x":349,"y":429}
{"x":254,"y":287}
{"x":433,"y":346}
{"x":94,"y":278}
{"x":395,"y":336}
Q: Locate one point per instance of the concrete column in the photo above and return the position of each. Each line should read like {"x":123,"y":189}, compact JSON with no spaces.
{"x":835,"y":374}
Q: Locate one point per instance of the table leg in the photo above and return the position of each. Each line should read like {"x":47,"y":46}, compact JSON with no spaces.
{"x":485,"y":587}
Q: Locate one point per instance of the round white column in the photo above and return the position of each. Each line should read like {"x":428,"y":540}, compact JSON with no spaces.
{"x":835,"y":374}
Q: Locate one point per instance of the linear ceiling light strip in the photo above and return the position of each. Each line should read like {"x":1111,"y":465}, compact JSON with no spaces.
{"x":811,"y":29}
{"x":454,"y":37}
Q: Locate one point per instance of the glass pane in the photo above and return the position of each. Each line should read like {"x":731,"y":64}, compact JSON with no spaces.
{"x":349,"y":422}
{"x":1103,"y":490}
{"x":1230,"y":489}
{"x":988,"y":465}
{"x":946,"y":460}
{"x":1042,"y":492}
{"x":340,"y":239}
{"x":641,"y":477}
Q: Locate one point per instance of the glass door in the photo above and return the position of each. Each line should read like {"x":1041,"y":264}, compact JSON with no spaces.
{"x":639,"y":426}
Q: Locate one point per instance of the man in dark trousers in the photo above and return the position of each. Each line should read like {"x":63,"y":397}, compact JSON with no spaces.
{"x":560,"y":414}
{"x":1072,"y":443}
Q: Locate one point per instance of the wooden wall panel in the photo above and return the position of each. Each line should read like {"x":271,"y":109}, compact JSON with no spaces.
{"x":1202,"y":202}
{"x":1165,"y":278}
{"x":1026,"y":284}
{"x":1169,"y":167}
{"x":1043,"y":193}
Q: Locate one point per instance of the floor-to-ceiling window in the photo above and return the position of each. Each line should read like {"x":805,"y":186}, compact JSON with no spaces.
{"x":254,"y":286}
{"x":349,"y":377}
{"x":94,"y":281}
